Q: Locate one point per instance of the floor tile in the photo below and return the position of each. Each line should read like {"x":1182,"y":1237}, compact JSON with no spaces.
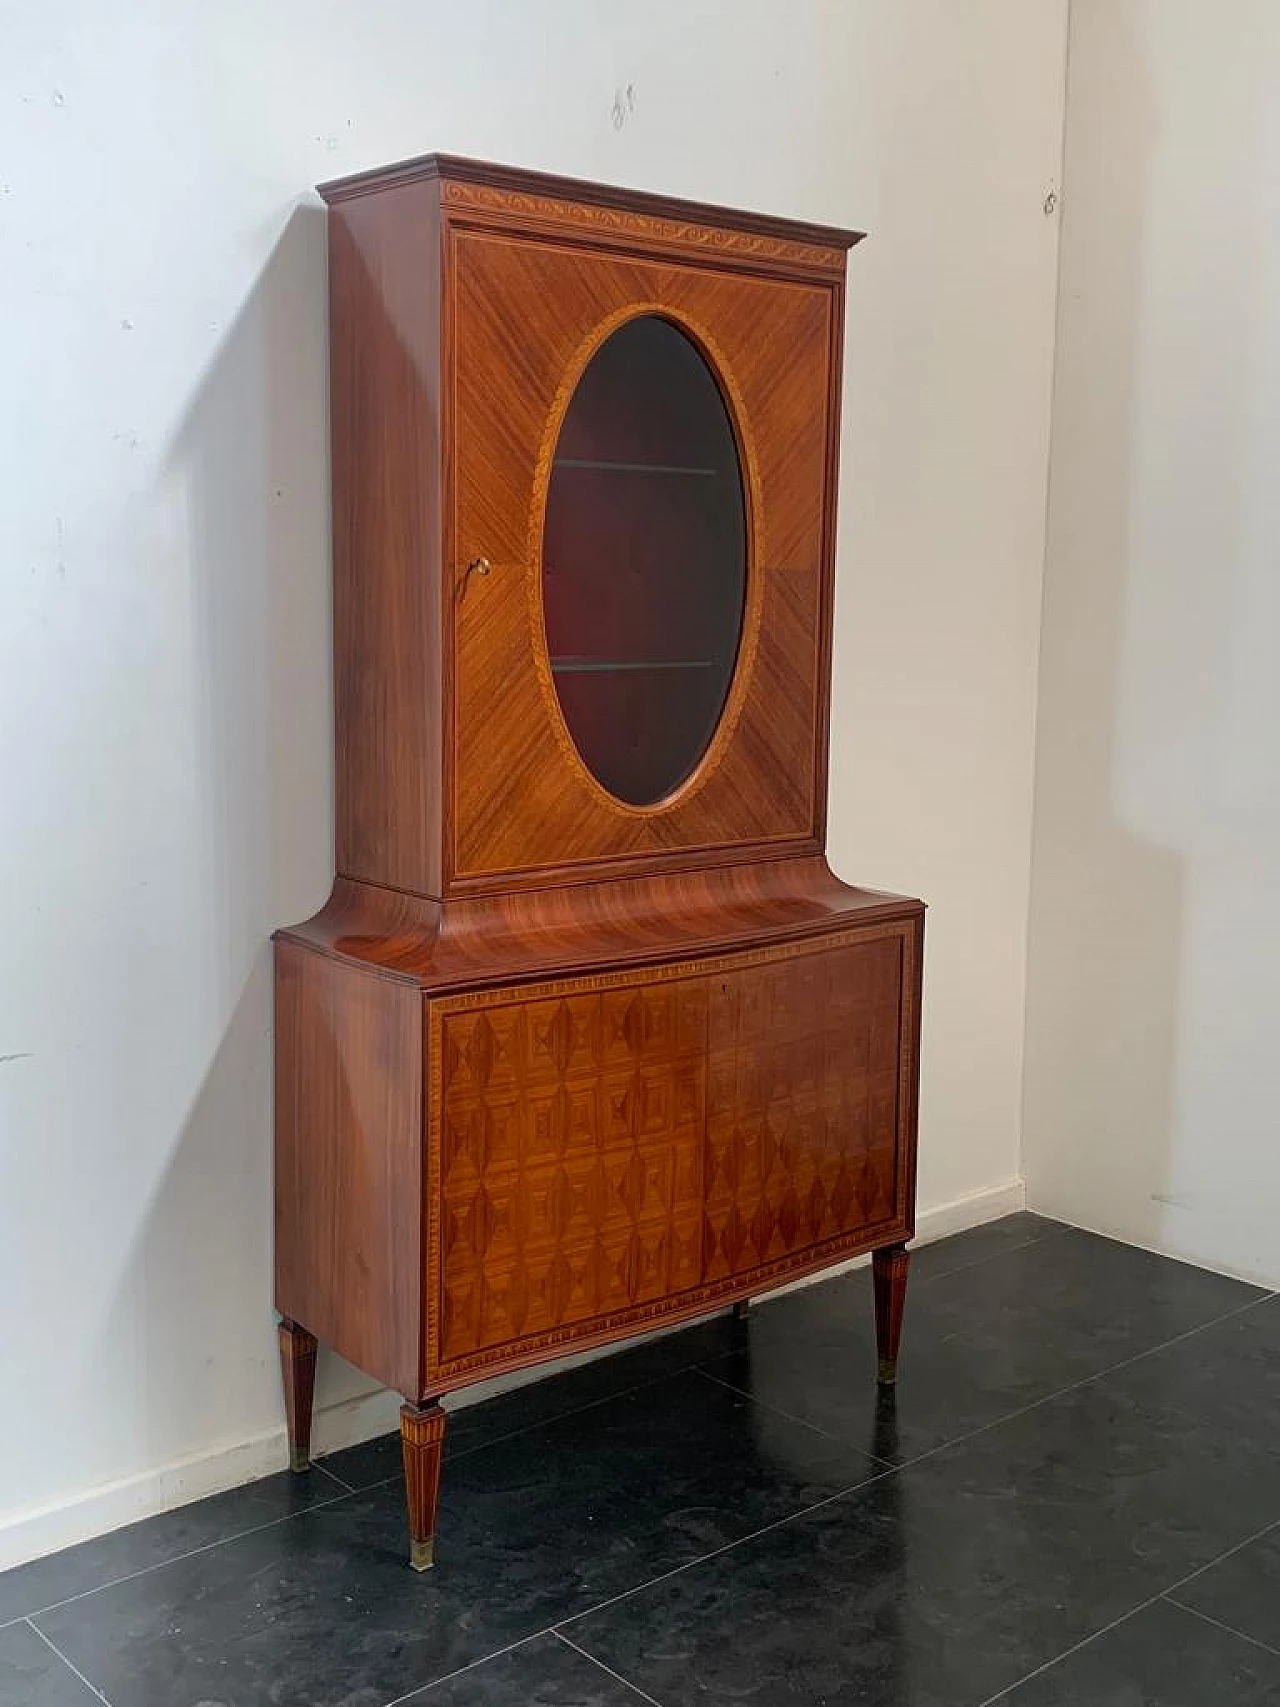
{"x":542,"y":1673}
{"x":1046,"y":1520}
{"x":956,"y":1576}
{"x":979,"y":1244}
{"x":978,"y":1344}
{"x":1161,"y":1657}
{"x":1229,"y":1372}
{"x":1244,"y":1590}
{"x":543,"y":1401}
{"x":322,"y":1610}
{"x":155,"y":1540}
{"x":32,"y":1675}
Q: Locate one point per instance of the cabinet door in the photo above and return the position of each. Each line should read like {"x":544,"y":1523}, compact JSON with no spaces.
{"x":669,"y":717}
{"x":602,"y":1152}
{"x":806,"y":1141}
{"x":566,"y":1147}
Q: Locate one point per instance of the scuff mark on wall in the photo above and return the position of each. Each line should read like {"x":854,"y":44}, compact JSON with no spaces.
{"x":624,"y":105}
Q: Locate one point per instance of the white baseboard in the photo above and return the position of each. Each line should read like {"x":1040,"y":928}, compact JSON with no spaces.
{"x":971,"y":1210}
{"x":46,"y":1529}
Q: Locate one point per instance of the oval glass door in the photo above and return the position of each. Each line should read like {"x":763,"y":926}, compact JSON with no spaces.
{"x":644,"y":560}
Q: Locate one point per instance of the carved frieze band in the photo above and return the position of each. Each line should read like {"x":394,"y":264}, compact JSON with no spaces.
{"x":643,"y":227}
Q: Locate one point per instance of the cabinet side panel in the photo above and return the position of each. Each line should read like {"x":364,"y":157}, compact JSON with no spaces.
{"x":348,"y":1184}
{"x":384,"y":404}
{"x":912,"y":1003}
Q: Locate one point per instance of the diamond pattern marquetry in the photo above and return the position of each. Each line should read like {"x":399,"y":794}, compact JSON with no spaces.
{"x":802,"y":1105}
{"x":603,"y":1148}
{"x":571,"y":1159}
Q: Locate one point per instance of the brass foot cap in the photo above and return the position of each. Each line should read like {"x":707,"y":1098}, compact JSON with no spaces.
{"x":299,"y":1459}
{"x":422,"y":1554}
{"x":888,"y":1374}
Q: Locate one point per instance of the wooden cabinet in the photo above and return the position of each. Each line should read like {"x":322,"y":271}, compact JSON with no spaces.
{"x":588,"y":1036}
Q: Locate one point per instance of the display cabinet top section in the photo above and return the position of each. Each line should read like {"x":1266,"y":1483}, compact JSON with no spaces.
{"x":516,"y":181}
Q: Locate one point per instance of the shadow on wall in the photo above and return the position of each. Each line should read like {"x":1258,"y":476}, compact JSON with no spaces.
{"x":1107,"y":910}
{"x":251,"y":461}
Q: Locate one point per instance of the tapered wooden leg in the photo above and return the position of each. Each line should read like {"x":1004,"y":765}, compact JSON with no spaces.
{"x":298,"y":1366}
{"x":889,"y":1270}
{"x":422,"y":1439}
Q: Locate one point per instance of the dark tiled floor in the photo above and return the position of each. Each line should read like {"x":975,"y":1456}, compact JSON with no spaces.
{"x":1073,"y":1497}
{"x":32,"y":1675}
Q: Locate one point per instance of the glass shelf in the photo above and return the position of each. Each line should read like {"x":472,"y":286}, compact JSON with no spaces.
{"x":601,"y":466}
{"x":589,"y":666}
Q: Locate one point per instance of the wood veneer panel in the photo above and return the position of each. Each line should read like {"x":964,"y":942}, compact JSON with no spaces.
{"x":804,"y":1129}
{"x":387,"y":421}
{"x":492,"y":939}
{"x":570,"y":1138}
{"x":612,"y":1151}
{"x":526,"y":317}
{"x":348,"y":1122}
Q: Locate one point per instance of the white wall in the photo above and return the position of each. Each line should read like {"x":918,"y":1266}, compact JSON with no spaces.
{"x":1154,"y":1001}
{"x":164,"y":702}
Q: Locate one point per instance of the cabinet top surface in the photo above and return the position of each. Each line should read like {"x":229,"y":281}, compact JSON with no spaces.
{"x":456,"y":169}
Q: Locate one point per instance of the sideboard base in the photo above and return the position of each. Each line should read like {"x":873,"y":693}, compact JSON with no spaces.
{"x":473,"y":1180}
